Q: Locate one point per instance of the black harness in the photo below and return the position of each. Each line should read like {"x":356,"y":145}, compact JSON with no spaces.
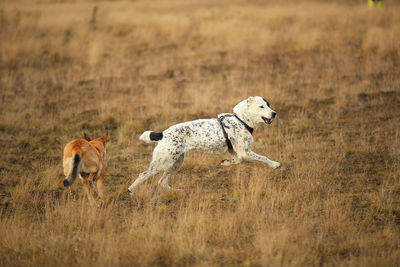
{"x":223,"y":126}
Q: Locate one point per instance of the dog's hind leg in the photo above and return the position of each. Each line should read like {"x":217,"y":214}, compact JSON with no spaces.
{"x":166,"y":158}
{"x":100,"y":185}
{"x":100,"y":188}
{"x":167,"y":175}
{"x":164,"y":180}
{"x":87,"y":190}
{"x":143,"y":177}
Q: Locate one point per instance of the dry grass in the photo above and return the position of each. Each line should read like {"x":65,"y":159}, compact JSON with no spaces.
{"x":330,"y":69}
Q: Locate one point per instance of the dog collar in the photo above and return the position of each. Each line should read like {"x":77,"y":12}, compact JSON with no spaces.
{"x":248,"y":128}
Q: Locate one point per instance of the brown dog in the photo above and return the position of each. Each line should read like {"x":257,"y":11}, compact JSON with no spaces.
{"x":85,"y":157}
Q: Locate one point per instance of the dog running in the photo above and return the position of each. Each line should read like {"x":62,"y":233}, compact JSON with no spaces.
{"x":230,"y":132}
{"x":85,"y":158}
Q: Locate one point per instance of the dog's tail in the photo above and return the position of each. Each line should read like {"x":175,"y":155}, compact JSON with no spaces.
{"x":70,"y":179}
{"x":149,"y":136}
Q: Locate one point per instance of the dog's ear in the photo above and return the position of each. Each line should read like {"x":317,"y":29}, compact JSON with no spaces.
{"x":87,"y":137}
{"x":104,"y":137}
{"x":250,"y":100}
{"x":266,"y":102}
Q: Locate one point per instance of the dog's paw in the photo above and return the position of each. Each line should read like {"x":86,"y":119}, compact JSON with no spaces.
{"x":130,"y":191}
{"x":225,"y":162}
{"x":275,"y":165}
{"x":229,"y":162}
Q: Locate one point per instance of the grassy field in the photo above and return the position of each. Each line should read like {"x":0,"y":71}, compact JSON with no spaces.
{"x":331,"y":69}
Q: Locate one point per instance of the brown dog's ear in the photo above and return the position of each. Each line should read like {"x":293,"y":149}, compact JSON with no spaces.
{"x":87,"y":137}
{"x":105,"y":134}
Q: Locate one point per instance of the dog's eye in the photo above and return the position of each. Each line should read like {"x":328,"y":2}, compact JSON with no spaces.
{"x":261,"y":106}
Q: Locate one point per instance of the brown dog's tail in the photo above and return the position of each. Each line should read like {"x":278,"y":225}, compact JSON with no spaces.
{"x":72,"y":176}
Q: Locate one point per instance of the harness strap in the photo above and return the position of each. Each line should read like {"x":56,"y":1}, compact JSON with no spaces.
{"x":228,"y":142}
{"x":248,"y":128}
{"x":223,"y":126}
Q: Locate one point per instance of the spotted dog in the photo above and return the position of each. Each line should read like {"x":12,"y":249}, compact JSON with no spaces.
{"x":230,"y":132}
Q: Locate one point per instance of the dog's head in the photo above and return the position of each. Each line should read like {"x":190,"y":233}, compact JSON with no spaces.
{"x":98,"y":143}
{"x":256,"y":110}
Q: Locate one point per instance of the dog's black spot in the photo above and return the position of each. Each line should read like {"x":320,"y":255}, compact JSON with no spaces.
{"x":66,"y":183}
{"x":154,"y":136}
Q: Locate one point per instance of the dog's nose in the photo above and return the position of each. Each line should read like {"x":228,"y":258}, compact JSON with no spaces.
{"x":273,"y":114}
{"x":66,"y":183}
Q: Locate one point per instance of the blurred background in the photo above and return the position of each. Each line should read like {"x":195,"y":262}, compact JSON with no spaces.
{"x":329,"y":68}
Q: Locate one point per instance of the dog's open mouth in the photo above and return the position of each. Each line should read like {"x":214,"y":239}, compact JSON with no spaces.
{"x":266,"y":120}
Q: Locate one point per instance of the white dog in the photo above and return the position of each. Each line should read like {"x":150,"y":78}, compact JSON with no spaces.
{"x":232,"y":132}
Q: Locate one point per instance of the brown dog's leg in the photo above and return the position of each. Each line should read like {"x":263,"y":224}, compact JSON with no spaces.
{"x":87,"y":191}
{"x":100,"y":184}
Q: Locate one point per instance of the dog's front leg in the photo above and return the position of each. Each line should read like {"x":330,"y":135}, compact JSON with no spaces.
{"x":252,"y":156}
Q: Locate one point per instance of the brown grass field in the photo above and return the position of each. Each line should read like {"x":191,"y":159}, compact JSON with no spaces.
{"x":331,"y":69}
